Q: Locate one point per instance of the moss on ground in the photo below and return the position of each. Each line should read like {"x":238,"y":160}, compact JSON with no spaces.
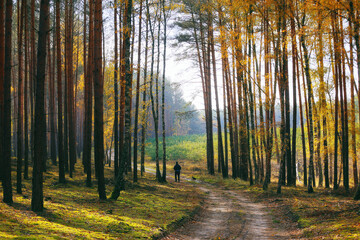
{"x":73,"y":211}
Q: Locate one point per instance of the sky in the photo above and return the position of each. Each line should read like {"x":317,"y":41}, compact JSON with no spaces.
{"x":180,"y":70}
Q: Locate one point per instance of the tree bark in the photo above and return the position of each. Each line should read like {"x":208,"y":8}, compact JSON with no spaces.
{"x":125,"y":153}
{"x":309,"y":88}
{"x":70,"y":88}
{"x":116,"y":73}
{"x":99,"y":100}
{"x":37,"y":201}
{"x":6,"y":123}
{"x":88,"y":98}
{"x":59,"y":95}
{"x":137,"y":101}
{"x":26,"y":112}
{"x":2,"y":70}
{"x":20,"y":115}
{"x":163,"y":95}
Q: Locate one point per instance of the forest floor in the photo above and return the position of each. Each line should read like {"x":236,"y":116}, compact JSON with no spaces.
{"x":73,"y":211}
{"x":236,"y":210}
{"x":199,"y":207}
{"x":228,"y":214}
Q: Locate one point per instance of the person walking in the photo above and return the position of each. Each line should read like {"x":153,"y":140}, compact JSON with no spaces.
{"x":177,"y":169}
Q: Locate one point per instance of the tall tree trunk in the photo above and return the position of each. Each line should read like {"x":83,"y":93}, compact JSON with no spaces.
{"x":334,"y":32}
{"x":51,"y":115}
{"x":2,"y":68}
{"x":70,"y":88}
{"x":221,"y":162}
{"x":66,"y":93}
{"x":251,"y":102}
{"x":59,"y":95}
{"x":144,"y":105}
{"x":37,"y":201}
{"x":26,"y":112}
{"x":126,"y":156}
{"x":153,"y":102}
{"x":20,"y":115}
{"x":88,"y":98}
{"x":6,"y":123}
{"x":163,"y":94}
{"x":99,"y":100}
{"x":116,"y":73}
{"x":309,"y":88}
{"x":352,"y":107}
{"x":294,"y":74}
{"x":323,"y":102}
{"x":357,"y":43}
{"x":136,"y":123}
{"x":32,"y":77}
{"x":282,"y":89}
{"x":345,"y":119}
{"x":125,"y":153}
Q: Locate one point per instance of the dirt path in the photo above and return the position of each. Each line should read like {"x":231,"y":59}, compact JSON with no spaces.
{"x":228,"y":215}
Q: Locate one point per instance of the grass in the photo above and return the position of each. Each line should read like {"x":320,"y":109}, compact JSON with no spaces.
{"x":190,"y":147}
{"x":72,"y":211}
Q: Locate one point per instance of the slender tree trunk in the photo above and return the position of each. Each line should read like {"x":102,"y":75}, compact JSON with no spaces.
{"x":88,"y":98}
{"x":26,"y":112}
{"x":294,"y":74}
{"x":122,"y":170}
{"x":6,"y":123}
{"x":126,"y":156}
{"x":311,"y":136}
{"x":59,"y":95}
{"x":144,"y":105}
{"x":334,"y":30}
{"x":163,"y":94}
{"x":32,"y":77}
{"x":20,"y":115}
{"x":282,"y":89}
{"x":323,"y":103}
{"x":51,"y":115}
{"x":251,"y":103}
{"x":352,"y":107}
{"x":116,"y":73}
{"x":37,"y":201}
{"x":153,"y":103}
{"x":70,"y":89}
{"x":125,"y":153}
{"x":357,"y":43}
{"x":2,"y":69}
{"x":137,"y":97}
{"x":221,"y":162}
{"x":66,"y":93}
{"x":345,"y":119}
{"x":99,"y":100}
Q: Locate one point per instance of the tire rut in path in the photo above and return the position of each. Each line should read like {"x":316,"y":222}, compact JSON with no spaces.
{"x":228,"y":215}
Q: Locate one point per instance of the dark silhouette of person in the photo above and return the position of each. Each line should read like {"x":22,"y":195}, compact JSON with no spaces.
{"x":177,"y":169}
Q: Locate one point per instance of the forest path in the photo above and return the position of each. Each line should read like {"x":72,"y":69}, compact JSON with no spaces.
{"x":227,"y":214}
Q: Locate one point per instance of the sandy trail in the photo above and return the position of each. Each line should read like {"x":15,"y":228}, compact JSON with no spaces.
{"x":228,"y":215}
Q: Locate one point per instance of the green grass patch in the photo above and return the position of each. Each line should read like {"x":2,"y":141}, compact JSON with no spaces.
{"x":73,"y":211}
{"x":189,"y":147}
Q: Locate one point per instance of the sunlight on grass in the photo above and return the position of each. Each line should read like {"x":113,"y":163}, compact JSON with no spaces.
{"x":73,"y":211}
